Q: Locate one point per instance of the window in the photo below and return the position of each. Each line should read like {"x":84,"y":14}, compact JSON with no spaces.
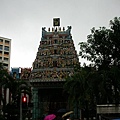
{"x":1,"y":47}
{"x":6,"y":59}
{"x":6,"y":53}
{"x":0,"y":52}
{"x":1,"y":40}
{"x":6,"y":65}
{"x":6,"y":48}
{"x":0,"y":58}
{"x":6,"y":42}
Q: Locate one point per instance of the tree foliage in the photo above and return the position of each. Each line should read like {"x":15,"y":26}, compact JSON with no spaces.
{"x":100,"y":82}
{"x":77,"y":87}
{"x":103,"y":46}
{"x":16,"y":88}
{"x":103,"y":50}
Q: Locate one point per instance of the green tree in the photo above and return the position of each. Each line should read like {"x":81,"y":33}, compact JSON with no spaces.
{"x":114,"y":76}
{"x":103,"y":50}
{"x":103,"y":46}
{"x":5,"y":78}
{"x":100,"y":83}
{"x":16,"y":88}
{"x":79,"y":90}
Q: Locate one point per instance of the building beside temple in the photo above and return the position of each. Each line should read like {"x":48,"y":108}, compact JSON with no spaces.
{"x":55,"y":60}
{"x":21,"y":73}
{"x":5,"y":51}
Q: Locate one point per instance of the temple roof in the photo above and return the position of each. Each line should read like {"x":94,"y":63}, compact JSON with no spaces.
{"x":56,"y":30}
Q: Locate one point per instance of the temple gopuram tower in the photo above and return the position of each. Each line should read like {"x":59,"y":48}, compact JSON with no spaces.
{"x":55,"y":60}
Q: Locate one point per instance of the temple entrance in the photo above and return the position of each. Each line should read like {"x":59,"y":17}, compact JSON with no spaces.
{"x":51,"y":100}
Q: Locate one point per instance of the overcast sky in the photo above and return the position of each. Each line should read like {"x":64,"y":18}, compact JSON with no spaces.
{"x":22,"y":21}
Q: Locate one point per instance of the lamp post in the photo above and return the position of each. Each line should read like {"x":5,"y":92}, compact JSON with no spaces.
{"x":21,"y":107}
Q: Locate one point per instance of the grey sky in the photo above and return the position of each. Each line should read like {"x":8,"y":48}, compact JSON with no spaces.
{"x":22,"y":21}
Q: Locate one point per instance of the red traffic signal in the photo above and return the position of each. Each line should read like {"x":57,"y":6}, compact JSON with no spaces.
{"x":24,"y":99}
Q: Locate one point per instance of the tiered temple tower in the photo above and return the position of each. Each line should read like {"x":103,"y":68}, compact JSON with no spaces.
{"x":55,"y":60}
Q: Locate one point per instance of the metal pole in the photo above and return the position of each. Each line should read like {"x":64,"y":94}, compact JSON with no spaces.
{"x":21,"y":107}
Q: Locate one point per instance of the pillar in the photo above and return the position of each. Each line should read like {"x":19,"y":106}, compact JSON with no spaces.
{"x":36,"y":111}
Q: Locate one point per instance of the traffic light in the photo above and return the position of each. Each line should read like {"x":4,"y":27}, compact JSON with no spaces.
{"x":24,"y":99}
{"x":24,"y":102}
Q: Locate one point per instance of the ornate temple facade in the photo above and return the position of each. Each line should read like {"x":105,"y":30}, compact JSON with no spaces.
{"x":55,"y":60}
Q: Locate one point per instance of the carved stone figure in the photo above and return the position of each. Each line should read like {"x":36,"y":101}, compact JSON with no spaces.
{"x":43,"y":32}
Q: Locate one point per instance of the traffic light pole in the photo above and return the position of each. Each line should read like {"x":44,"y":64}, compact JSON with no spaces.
{"x":21,"y":107}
